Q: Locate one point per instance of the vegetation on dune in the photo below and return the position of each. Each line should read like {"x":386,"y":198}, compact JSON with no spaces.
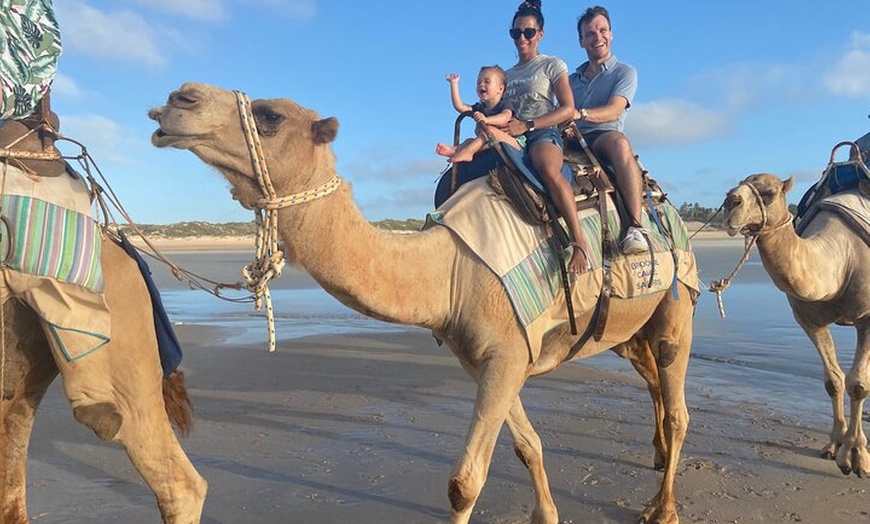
{"x":689,"y":212}
{"x":239,"y":229}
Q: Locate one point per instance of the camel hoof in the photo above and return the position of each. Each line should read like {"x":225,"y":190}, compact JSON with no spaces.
{"x":828,"y":453}
{"x":845,"y":470}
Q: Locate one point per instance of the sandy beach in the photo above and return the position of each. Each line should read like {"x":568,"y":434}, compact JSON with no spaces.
{"x":365,"y":429}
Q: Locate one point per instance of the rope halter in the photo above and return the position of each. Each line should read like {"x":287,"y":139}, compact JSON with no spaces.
{"x":268,"y":259}
{"x":749,"y":238}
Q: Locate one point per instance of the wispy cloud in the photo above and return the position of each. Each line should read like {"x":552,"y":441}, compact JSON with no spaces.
{"x":381,"y":165}
{"x":122,"y":35}
{"x":401,"y":204}
{"x":63,"y":85}
{"x":850,"y":75}
{"x":205,"y":10}
{"x":672,"y":122}
{"x":107,"y":140}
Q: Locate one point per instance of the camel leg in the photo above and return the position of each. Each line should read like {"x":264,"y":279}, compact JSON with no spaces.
{"x":670,"y":336}
{"x":852,"y":457}
{"x":835,"y":382}
{"x":499,"y":377}
{"x":29,"y":370}
{"x":527,"y":446}
{"x":116,"y":391}
{"x":638,"y":352}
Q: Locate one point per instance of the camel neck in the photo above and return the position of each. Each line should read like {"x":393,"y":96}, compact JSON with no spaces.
{"x":799,"y":266}
{"x":387,"y":275}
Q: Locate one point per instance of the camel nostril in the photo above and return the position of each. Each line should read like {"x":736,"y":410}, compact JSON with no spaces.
{"x":732,"y":201}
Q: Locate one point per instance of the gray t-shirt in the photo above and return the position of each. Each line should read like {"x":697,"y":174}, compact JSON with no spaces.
{"x":615,"y":78}
{"x":529,"y":92}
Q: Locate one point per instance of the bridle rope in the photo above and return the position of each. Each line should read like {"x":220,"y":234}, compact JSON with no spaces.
{"x":749,"y":238}
{"x":268,"y":259}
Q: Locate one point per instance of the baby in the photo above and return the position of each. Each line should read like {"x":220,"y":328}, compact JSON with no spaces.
{"x":488,"y":111}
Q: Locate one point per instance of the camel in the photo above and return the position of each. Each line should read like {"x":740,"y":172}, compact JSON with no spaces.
{"x":430,"y":279}
{"x":825,"y":274}
{"x":119,"y":391}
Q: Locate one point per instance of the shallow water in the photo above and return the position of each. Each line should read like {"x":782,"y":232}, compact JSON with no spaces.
{"x":755,"y":355}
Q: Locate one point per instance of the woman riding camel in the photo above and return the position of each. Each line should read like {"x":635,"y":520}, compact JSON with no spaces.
{"x":532,"y":85}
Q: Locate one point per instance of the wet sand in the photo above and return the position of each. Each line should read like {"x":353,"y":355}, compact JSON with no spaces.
{"x":365,"y":428}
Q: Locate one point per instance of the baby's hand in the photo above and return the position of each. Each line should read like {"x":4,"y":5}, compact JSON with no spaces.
{"x":452,"y":77}
{"x":479,"y":117}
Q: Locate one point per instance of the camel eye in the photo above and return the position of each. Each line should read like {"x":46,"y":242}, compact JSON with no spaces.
{"x":271,"y":118}
{"x":268,"y":122}
{"x":767,"y":195}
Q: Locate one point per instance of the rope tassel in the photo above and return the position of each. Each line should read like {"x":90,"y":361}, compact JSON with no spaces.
{"x":268,"y":258}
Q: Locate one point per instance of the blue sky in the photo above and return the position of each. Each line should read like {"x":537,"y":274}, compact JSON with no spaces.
{"x":726,"y":89}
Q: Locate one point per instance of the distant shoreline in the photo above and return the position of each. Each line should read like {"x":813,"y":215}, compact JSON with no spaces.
{"x":246,"y":243}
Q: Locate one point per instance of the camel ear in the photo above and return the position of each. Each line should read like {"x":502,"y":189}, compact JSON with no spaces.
{"x":788,"y":184}
{"x":324,"y":131}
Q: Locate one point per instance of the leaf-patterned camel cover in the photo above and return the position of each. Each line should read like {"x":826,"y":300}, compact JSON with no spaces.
{"x":29,"y":49}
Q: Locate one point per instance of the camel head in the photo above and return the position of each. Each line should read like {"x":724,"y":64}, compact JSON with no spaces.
{"x":756,"y":204}
{"x":207,"y":121}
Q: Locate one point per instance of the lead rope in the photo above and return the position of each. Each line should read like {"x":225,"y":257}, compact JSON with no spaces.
{"x":719,"y":286}
{"x":8,"y":231}
{"x":268,"y":259}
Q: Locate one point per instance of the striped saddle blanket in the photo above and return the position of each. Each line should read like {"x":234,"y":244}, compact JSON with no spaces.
{"x":50,"y":253}
{"x":525,"y":258}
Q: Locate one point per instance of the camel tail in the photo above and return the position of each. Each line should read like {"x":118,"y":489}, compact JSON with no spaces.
{"x":179,"y":408}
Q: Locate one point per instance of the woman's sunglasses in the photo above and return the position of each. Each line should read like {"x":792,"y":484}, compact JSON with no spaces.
{"x":528,"y":32}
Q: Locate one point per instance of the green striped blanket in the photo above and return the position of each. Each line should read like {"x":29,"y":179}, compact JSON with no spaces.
{"x":50,"y":247}
{"x":51,"y":241}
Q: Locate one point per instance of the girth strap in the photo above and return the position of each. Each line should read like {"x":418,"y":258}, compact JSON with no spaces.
{"x":595,"y":328}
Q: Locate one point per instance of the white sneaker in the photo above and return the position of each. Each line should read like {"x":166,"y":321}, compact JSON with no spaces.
{"x":634,"y":241}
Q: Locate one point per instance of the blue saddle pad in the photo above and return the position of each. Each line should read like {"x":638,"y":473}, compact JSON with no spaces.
{"x":167,"y":343}
{"x":484,"y":162}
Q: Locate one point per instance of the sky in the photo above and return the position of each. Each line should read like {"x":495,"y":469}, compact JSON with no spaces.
{"x":726,"y":89}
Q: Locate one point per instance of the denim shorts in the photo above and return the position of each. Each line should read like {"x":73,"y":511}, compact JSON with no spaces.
{"x":545,"y":134}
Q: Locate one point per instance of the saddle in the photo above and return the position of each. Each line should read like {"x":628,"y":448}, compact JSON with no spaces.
{"x":28,"y":143}
{"x":592,"y":184}
{"x":837,"y":177}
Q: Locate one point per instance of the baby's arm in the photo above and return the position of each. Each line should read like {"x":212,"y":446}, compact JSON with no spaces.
{"x":499,"y":119}
{"x":461,"y":107}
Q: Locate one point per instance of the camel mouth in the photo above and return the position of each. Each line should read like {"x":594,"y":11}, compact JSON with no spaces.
{"x":745,"y":230}
{"x":161,"y":138}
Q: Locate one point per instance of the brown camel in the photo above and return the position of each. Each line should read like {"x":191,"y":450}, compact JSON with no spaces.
{"x":118,"y":391}
{"x":825,"y":273}
{"x":431,"y":279}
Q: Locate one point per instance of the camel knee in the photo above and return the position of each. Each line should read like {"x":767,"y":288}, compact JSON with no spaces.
{"x":462,"y":491}
{"x":678,"y":425}
{"x":667,"y":352}
{"x":103,"y":419}
{"x":857,"y":391}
